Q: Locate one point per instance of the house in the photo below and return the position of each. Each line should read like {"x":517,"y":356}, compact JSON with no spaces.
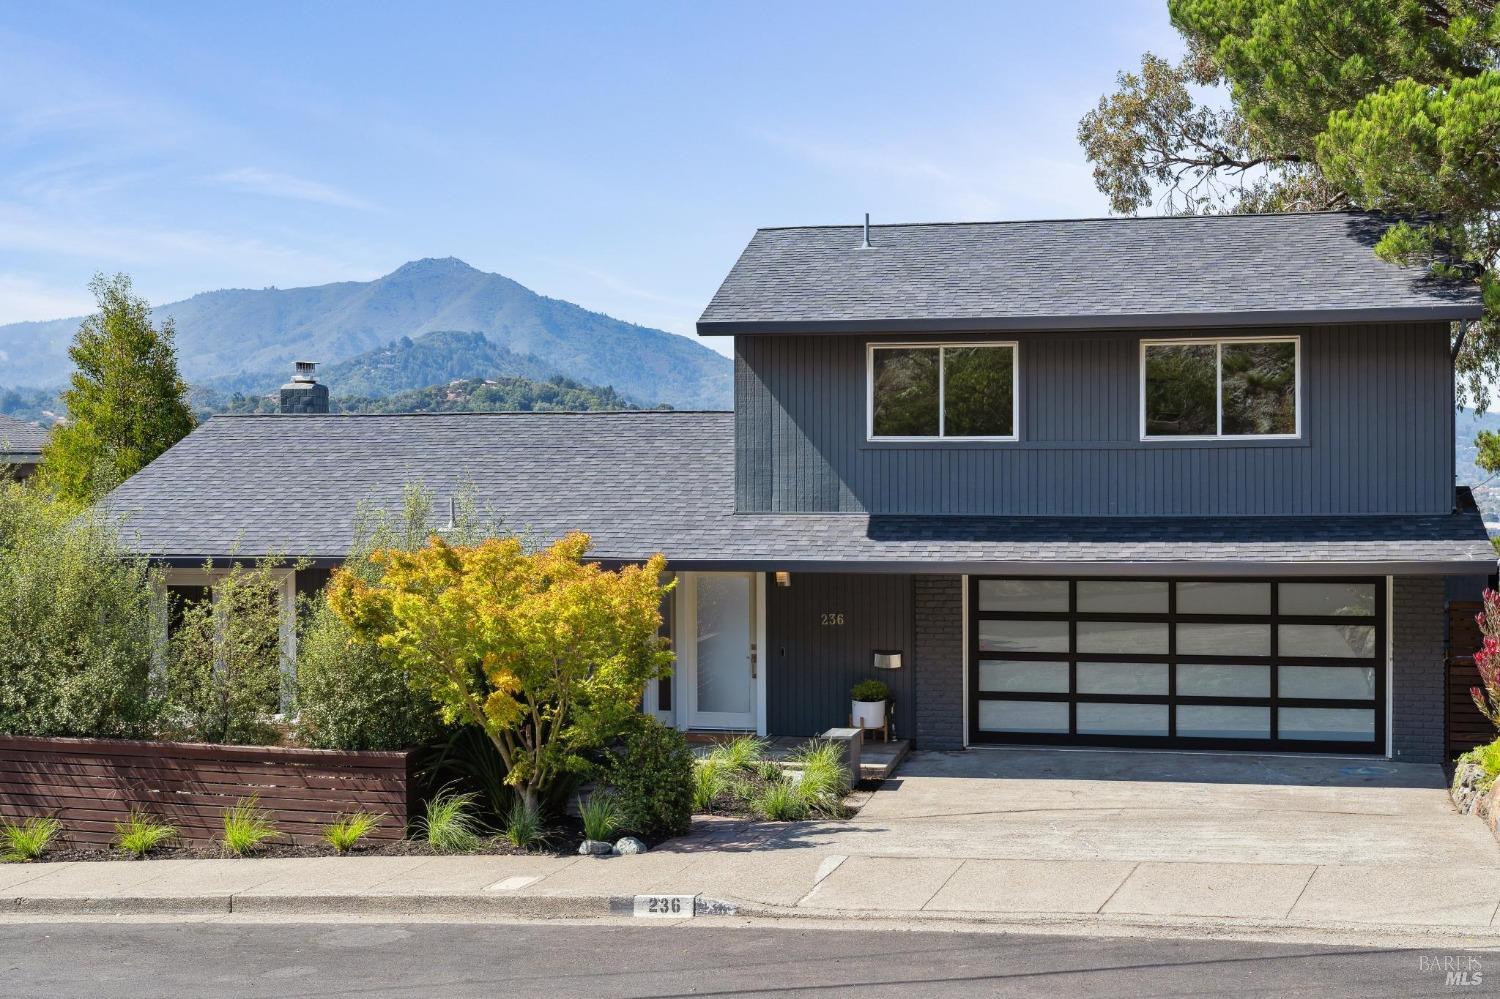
{"x":20,"y":446}
{"x":1178,"y":482}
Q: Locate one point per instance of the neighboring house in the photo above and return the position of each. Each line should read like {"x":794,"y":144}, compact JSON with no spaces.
{"x":20,"y":446}
{"x":1149,"y":482}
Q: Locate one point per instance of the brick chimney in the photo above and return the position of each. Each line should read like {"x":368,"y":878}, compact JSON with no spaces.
{"x":303,"y":394}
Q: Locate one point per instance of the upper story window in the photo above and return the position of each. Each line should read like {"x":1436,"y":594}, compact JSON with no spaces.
{"x":1220,"y":388}
{"x":943,"y":391}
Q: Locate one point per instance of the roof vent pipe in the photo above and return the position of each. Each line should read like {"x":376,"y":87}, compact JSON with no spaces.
{"x":866,"y":244}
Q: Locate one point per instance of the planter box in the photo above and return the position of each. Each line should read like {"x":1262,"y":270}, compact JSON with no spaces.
{"x":89,"y":784}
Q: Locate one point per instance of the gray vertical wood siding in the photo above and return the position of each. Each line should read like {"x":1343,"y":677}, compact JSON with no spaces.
{"x":1377,"y":434}
{"x":811,"y":665}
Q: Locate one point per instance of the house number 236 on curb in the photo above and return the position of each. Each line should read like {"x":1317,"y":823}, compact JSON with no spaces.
{"x":832,"y":620}
{"x":665,"y":906}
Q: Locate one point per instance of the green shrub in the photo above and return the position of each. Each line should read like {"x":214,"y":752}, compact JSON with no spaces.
{"x":450,"y":824}
{"x":601,"y":816}
{"x":28,"y":839}
{"x":779,"y":802}
{"x":140,"y":833}
{"x":464,"y":759}
{"x":247,"y":827}
{"x":654,"y":781}
{"x":824,"y":779}
{"x":355,"y":696}
{"x":870,"y":690}
{"x":743,"y":753}
{"x":76,"y":624}
{"x":1487,"y":757}
{"x":523,"y":826}
{"x":708,"y":783}
{"x":345,"y":832}
{"x":224,"y":660}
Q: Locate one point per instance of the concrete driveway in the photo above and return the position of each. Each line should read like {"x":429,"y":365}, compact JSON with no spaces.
{"x":1119,"y":805}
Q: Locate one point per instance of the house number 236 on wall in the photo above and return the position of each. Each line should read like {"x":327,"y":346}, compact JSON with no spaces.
{"x":832,"y":620}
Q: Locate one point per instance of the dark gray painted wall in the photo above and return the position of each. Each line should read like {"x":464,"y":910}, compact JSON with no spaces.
{"x":1418,"y":623}
{"x":939,"y":665}
{"x":1377,"y":428}
{"x":811,"y":666}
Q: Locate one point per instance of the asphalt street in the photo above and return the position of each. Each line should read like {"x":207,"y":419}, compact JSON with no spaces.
{"x":168,"y":959}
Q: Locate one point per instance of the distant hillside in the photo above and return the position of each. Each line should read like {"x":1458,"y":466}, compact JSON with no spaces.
{"x":1486,"y":489}
{"x":468,"y":395}
{"x":246,"y":340}
{"x":431,"y":359}
{"x":31,"y":405}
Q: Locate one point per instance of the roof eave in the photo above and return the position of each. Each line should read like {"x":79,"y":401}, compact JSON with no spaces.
{"x":1237,"y":568}
{"x":1452,"y":312}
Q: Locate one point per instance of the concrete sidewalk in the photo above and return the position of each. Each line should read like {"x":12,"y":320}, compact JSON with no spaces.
{"x":1326,"y":901}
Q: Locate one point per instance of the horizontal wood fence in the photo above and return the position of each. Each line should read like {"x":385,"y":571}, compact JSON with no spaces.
{"x":90,"y":784}
{"x":1466,"y":727}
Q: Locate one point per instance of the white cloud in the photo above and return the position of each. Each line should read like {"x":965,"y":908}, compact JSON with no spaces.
{"x":283,"y":185}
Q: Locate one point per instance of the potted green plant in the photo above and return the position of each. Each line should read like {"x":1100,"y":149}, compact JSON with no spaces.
{"x":869,"y":703}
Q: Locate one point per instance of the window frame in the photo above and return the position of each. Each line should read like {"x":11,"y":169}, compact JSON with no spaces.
{"x":941,"y":345}
{"x":1218,"y":344}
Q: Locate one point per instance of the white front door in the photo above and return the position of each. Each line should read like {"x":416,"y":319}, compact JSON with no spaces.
{"x":716,"y":649}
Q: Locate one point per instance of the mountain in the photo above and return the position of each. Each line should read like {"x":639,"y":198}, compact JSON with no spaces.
{"x":465,"y":395}
{"x":246,"y":340}
{"x":431,"y":359}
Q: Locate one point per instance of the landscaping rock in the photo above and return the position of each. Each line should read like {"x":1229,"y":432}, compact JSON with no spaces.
{"x":630,"y":845}
{"x":1465,"y":788}
{"x":595,"y":848}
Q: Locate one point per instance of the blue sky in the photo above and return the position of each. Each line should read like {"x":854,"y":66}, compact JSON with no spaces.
{"x":615,"y":155}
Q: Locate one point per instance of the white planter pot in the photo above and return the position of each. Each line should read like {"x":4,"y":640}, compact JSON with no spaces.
{"x":869,"y":714}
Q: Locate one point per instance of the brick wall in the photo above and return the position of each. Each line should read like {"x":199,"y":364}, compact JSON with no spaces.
{"x":1417,"y":630}
{"x":938,"y":665}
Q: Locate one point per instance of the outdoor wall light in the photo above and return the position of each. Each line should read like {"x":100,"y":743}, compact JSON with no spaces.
{"x":783,"y":579}
{"x":887,"y":660}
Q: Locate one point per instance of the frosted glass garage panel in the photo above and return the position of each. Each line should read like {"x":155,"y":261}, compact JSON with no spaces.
{"x":1223,"y":721}
{"x":1327,"y":683}
{"x":1199,"y":680}
{"x":1327,"y":599}
{"x":1041,"y":717}
{"x":1024,"y":595}
{"x":1246,"y":639}
{"x":1223,"y":598}
{"x":1123,"y":638}
{"x":1112,"y":596}
{"x":1023,"y":636}
{"x":1123,"y":678}
{"x":1000,"y":676}
{"x":1122,"y":719}
{"x":1328,"y":724}
{"x":1342,"y":641}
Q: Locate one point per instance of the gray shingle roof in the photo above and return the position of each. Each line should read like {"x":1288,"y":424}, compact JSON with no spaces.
{"x":1076,"y":274}
{"x":662,"y":481}
{"x":17,"y":437}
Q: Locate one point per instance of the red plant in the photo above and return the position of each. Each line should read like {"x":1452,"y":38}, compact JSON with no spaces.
{"x":1487,"y":660}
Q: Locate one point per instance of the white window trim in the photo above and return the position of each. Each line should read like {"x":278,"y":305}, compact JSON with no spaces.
{"x":1015,"y":390}
{"x":1218,"y":344}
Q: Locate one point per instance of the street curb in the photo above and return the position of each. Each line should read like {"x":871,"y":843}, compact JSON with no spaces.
{"x":729,"y":911}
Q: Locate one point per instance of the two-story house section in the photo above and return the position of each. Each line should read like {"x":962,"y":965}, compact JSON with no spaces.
{"x":1176,"y":482}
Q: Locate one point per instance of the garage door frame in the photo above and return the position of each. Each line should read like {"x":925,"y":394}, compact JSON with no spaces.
{"x":1379,"y":661}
